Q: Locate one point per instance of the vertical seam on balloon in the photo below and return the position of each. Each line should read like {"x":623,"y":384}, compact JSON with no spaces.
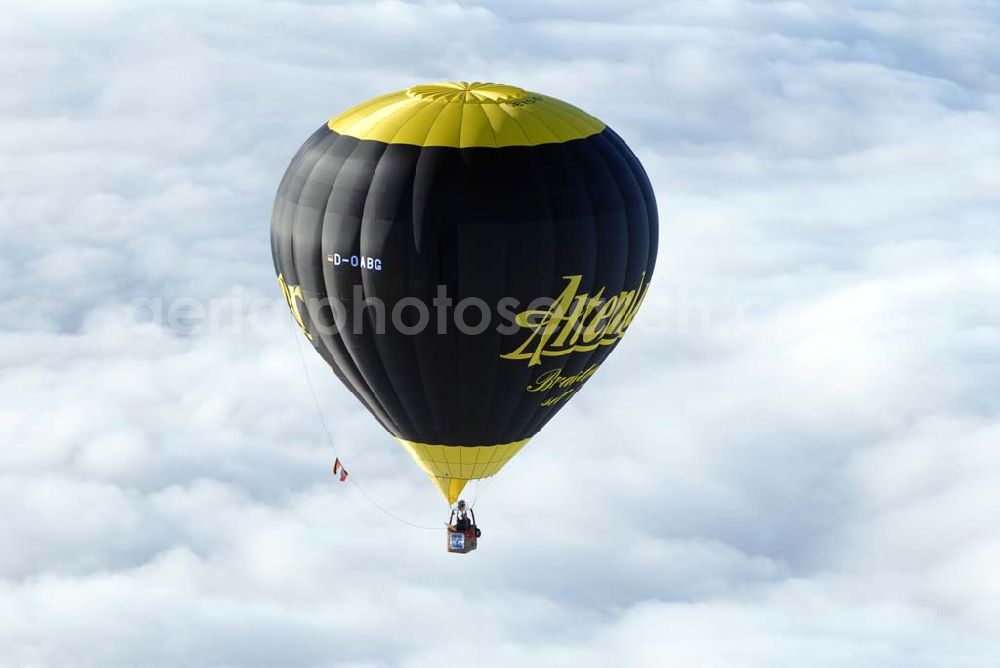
{"x":475,"y":462}
{"x":291,"y":233}
{"x":437,"y":117}
{"x":354,"y":111}
{"x":297,"y":207}
{"x":555,"y":137}
{"x":517,"y":124}
{"x":633,"y":162}
{"x":403,"y":404}
{"x":555,"y":117}
{"x":523,"y":425}
{"x":505,"y":290}
{"x":432,"y":422}
{"x":365,"y":375}
{"x":431,"y":409}
{"x":374,"y":403}
{"x":489,"y":124}
{"x":568,"y":118}
{"x":418,"y":109}
{"x":383,"y":115}
{"x":461,"y":122}
{"x":597,"y":352}
{"x":541,"y":415}
{"x":293,"y":273}
{"x":628,"y":235}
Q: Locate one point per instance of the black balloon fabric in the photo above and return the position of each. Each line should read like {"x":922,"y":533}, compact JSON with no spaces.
{"x":464,"y":261}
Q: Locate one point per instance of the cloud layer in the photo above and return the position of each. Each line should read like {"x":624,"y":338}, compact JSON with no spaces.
{"x":792,"y":460}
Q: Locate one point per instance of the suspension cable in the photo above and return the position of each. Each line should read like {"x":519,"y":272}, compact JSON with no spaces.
{"x":350,"y":478}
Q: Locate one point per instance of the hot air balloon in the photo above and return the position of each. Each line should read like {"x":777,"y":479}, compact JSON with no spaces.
{"x":464,"y":256}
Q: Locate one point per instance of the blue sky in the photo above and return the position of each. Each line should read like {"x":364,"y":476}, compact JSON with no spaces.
{"x":792,"y":459}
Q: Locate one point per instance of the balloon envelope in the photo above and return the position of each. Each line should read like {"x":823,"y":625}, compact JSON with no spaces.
{"x":464,"y":257}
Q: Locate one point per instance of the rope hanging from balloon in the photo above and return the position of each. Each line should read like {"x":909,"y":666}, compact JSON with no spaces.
{"x":329,"y":436}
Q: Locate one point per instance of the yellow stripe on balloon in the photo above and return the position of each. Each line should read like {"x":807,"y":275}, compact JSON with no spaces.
{"x":450,"y":467}
{"x":466,"y":115}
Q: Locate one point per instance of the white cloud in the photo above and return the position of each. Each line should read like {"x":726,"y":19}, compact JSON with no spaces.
{"x":791,"y":460}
